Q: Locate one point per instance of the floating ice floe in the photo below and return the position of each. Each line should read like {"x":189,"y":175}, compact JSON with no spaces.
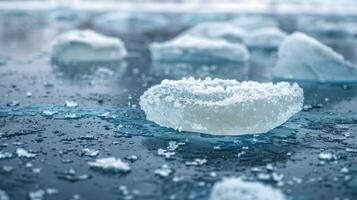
{"x":221,"y":107}
{"x":235,"y":188}
{"x":87,"y":46}
{"x":218,"y":30}
{"x":187,"y":48}
{"x":254,"y":22}
{"x":265,"y":38}
{"x":303,"y":58}
{"x":129,"y":22}
{"x":110,"y":164}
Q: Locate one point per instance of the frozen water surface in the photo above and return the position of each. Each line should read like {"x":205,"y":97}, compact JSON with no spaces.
{"x":306,"y":59}
{"x":221,"y":107}
{"x":87,"y":46}
{"x":108,"y":121}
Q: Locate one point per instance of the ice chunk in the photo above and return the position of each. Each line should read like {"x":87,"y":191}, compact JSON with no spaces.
{"x":188,"y":48}
{"x":129,"y":22}
{"x":110,"y":164}
{"x":87,"y":46}
{"x":235,"y":188}
{"x":221,"y":107}
{"x":23,"y":153}
{"x":269,"y":38}
{"x":218,"y":30}
{"x":4,"y":195}
{"x":301,"y":57}
{"x":254,"y":22}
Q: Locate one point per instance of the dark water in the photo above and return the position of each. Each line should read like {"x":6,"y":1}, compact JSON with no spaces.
{"x":109,"y":120}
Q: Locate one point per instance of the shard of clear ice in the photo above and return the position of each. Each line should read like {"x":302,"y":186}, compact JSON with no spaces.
{"x":221,"y":107}
{"x":87,"y":46}
{"x":233,"y":188}
{"x":270,"y":37}
{"x":303,"y":58}
{"x":249,"y":23}
{"x":218,"y":30}
{"x":110,"y":164}
{"x":187,"y":48}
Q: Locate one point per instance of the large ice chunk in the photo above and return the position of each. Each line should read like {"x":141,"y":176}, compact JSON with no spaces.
{"x":267,"y":38}
{"x":187,"y":48}
{"x":235,"y":188}
{"x":218,"y":30}
{"x":221,"y":107}
{"x":301,"y":57}
{"x":87,"y":46}
{"x":254,"y":22}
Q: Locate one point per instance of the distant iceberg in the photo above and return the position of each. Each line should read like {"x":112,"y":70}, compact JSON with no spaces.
{"x":221,"y":107}
{"x":87,"y":46}
{"x":268,"y":38}
{"x":303,"y":58}
{"x":187,"y":48}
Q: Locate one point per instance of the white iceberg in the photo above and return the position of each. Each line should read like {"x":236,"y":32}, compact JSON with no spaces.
{"x":269,"y":38}
{"x":221,"y":107}
{"x":303,"y":58}
{"x":254,"y":22}
{"x":235,"y":188}
{"x":87,"y":46}
{"x":187,"y":48}
{"x":218,"y":30}
{"x":129,"y":22}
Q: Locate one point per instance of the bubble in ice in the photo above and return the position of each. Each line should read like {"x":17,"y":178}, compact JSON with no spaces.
{"x":218,"y":30}
{"x":254,"y":22}
{"x":221,"y":107}
{"x":270,"y":37}
{"x":110,"y":164}
{"x":233,"y":188}
{"x":129,"y":22}
{"x":303,"y":58}
{"x":187,"y":48}
{"x":87,"y":46}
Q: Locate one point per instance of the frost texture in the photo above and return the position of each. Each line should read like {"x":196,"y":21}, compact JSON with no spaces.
{"x":265,"y":38}
{"x":254,"y":22}
{"x":235,"y":188}
{"x":218,"y":30}
{"x":188,"y":48}
{"x":221,"y":107}
{"x":87,"y":46}
{"x":303,"y":58}
{"x":110,"y":164}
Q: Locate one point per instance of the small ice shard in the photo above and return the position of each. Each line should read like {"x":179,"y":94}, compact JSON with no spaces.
{"x":5,"y":155}
{"x":187,"y":48}
{"x":221,"y":107}
{"x":218,"y":30}
{"x":327,"y":156}
{"x":71,"y":104}
{"x":110,"y":164}
{"x":164,"y":171}
{"x":37,"y":195}
{"x":303,"y":58}
{"x":265,"y":38}
{"x":23,"y":153}
{"x":3,"y":195}
{"x":129,"y":22}
{"x":87,"y":46}
{"x":90,"y":152}
{"x":254,"y":22}
{"x":235,"y":188}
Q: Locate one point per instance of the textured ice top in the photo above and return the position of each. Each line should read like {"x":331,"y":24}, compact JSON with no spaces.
{"x":254,"y":22}
{"x":301,"y":57}
{"x":235,"y":188}
{"x":218,"y":30}
{"x":221,"y":107}
{"x":87,"y":45}
{"x":270,"y":37}
{"x":189,"y":48}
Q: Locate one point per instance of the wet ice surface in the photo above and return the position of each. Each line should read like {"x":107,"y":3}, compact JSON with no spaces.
{"x":313,"y":155}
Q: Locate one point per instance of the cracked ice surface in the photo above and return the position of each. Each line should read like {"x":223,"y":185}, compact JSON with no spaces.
{"x":304,"y":58}
{"x":188,"y":48}
{"x":87,"y":46}
{"x":221,"y":107}
{"x":235,"y":188}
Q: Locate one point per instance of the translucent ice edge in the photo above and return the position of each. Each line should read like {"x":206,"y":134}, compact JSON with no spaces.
{"x":87,"y":46}
{"x":221,"y":107}
{"x":187,"y":48}
{"x":233,"y":188}
{"x":303,"y":58}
